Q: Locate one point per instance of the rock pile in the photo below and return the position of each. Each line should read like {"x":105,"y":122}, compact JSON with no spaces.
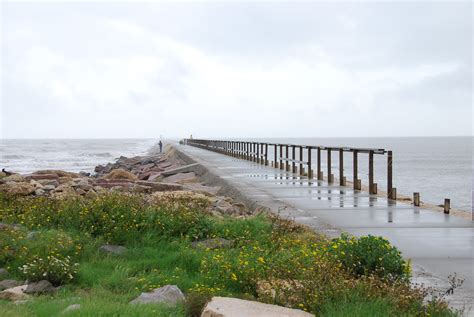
{"x":152,"y":174}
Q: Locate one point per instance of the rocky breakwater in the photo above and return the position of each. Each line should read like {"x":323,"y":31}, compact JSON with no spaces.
{"x":163,"y":175}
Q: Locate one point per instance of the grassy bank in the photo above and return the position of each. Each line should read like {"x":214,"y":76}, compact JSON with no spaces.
{"x":266,"y":259}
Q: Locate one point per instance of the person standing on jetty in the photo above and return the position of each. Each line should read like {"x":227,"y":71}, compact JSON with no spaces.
{"x":161,"y":146}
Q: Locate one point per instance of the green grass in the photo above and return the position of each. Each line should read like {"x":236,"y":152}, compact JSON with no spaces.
{"x":158,"y":238}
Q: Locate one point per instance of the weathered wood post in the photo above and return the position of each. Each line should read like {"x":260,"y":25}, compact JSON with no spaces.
{"x":342,"y":179}
{"x":257,"y":145}
{"x":293,"y":157}
{"x":416,"y":199}
{"x":320,"y":173}
{"x":391,"y":192}
{"x":355,"y":170}
{"x":371,"y":173}
{"x":301,"y":161}
{"x":281,"y":157}
{"x":310,"y":171}
{"x":266,"y":154}
{"x":275,"y":150}
{"x":330,"y":176}
{"x":287,"y":156}
{"x":447,"y":205}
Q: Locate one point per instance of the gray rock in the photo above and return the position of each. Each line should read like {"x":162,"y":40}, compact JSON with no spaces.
{"x":41,"y":287}
{"x":48,"y":187}
{"x":188,"y":177}
{"x":168,"y":294}
{"x":3,"y":273}
{"x":39,"y":192}
{"x":49,"y":182}
{"x":214,"y":243}
{"x":113,"y":249}
{"x":13,"y":178}
{"x":181,"y":169}
{"x":6,"y":284}
{"x":71,"y":308}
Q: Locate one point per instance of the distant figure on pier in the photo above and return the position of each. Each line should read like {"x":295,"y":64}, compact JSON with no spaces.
{"x":161,"y":146}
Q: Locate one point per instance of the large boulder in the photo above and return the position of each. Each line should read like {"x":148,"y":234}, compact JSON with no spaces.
{"x":6,"y":284}
{"x":168,"y":294}
{"x":234,"y":307}
{"x":120,"y":173}
{"x":14,"y":293}
{"x":182,"y":169}
{"x":13,"y":178}
{"x":18,"y":188}
{"x":40,"y":288}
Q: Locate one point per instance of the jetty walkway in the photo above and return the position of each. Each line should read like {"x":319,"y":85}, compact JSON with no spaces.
{"x":438,"y":244}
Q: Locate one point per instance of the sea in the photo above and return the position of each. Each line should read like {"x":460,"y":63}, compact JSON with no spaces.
{"x":436,"y":167}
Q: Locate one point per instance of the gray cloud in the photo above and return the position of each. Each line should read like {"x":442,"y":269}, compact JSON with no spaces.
{"x":236,"y":69}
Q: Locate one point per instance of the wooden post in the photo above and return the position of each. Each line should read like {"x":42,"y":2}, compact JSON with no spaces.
{"x":320,"y":173}
{"x":293,"y":156}
{"x":266,"y":154}
{"x":281,"y":156}
{"x":447,"y":205}
{"x":341,"y":168}
{"x":301,"y":161}
{"x":330,"y":176}
{"x":258,"y":152}
{"x":310,"y":171}
{"x":371,"y":173}
{"x":287,"y":164}
{"x":275,"y":150}
{"x":416,"y":199}
{"x":389,"y":175}
{"x":355,"y":171}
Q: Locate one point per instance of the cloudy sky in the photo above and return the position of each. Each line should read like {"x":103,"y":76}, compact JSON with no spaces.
{"x":240,"y":69}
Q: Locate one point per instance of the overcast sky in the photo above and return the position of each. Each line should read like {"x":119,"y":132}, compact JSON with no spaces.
{"x":110,"y":70}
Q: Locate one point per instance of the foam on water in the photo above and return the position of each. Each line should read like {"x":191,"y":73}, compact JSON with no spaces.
{"x":25,"y":156}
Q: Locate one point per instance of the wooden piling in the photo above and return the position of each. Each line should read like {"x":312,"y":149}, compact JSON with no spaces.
{"x":310,"y":171}
{"x":320,"y":173}
{"x":281,"y":156}
{"x":447,"y":205}
{"x":275,"y":150}
{"x":330,"y":178}
{"x":371,"y":172}
{"x":390,"y":192}
{"x":355,"y":171}
{"x":293,"y":157}
{"x":301,"y":161}
{"x":341,"y":168}
{"x":287,"y":156}
{"x":416,"y":199}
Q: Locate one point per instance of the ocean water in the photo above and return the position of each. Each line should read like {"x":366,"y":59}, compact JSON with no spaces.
{"x":26,"y":156}
{"x":437,"y":167}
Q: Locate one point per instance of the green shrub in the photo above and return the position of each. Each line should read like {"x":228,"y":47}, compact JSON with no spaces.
{"x":56,"y":269}
{"x":370,"y":255}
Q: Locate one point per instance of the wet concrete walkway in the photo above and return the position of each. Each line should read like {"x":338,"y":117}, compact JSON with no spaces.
{"x":437,"y":244}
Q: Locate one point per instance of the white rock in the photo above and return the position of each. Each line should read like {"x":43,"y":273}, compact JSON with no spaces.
{"x":234,"y":307}
{"x":168,"y":294}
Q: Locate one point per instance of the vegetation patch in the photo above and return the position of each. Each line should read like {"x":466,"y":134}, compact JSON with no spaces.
{"x":265,"y":258}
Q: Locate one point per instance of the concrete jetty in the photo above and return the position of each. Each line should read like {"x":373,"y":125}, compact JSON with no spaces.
{"x":438,"y":244}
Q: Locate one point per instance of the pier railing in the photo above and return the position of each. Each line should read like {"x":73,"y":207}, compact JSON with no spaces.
{"x":291,"y":158}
